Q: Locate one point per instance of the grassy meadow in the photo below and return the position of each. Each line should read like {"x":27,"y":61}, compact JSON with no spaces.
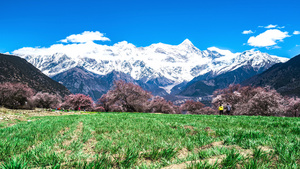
{"x":140,"y":140}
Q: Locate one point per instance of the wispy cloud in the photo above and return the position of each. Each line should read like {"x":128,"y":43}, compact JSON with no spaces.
{"x":276,"y":47}
{"x":86,"y":36}
{"x":271,"y":26}
{"x":247,"y":32}
{"x":296,"y":32}
{"x":268,"y":38}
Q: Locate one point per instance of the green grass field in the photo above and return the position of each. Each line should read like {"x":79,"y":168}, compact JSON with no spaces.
{"x":139,"y":140}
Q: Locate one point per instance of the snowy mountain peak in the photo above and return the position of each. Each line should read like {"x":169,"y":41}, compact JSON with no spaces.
{"x":187,"y":42}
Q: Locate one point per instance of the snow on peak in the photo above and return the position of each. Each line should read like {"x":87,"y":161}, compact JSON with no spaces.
{"x":186,"y":42}
{"x":176,"y":63}
{"x":221,"y":51}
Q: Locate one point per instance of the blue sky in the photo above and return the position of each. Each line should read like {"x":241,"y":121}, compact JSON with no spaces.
{"x":219,"y":23}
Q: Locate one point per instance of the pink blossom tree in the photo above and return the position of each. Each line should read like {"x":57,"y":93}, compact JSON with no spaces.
{"x":160,"y":105}
{"x":78,"y":101}
{"x":194,"y":107}
{"x":293,"y":107}
{"x":46,"y":100}
{"x":191,"y":106}
{"x":15,"y":95}
{"x":125,"y":97}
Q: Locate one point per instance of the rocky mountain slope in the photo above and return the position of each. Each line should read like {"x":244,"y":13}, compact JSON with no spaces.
{"x":205,"y":84}
{"x":284,"y":77}
{"x":16,"y":69}
{"x":80,"y":80}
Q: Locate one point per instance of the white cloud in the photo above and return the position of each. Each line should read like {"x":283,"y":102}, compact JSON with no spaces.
{"x":296,"y":32}
{"x":276,"y":47}
{"x":247,"y":32}
{"x":268,"y":38}
{"x":86,"y":36}
{"x":271,"y":26}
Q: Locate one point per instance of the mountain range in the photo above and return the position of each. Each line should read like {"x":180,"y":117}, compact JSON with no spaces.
{"x":160,"y":68}
{"x":80,"y":80}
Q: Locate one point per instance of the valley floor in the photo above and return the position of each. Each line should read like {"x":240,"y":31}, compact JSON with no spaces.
{"x":39,"y":139}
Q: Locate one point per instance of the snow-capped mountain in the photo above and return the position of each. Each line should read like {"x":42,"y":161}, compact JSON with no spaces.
{"x":163,"y":64}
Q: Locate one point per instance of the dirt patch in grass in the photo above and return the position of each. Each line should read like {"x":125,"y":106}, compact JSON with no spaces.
{"x":213,"y":144}
{"x":89,"y":146}
{"x":215,"y":159}
{"x":192,"y":130}
{"x":10,"y":117}
{"x":244,"y":152}
{"x":183,"y":153}
{"x":19,"y":113}
{"x":189,"y":127}
{"x":63,"y":131}
{"x":8,"y":120}
{"x":208,"y":129}
{"x":210,"y":132}
{"x":68,"y":142}
{"x":75,"y":134}
{"x":265,"y":148}
{"x":211,"y":161}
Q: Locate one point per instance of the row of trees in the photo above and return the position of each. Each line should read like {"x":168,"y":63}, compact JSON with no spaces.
{"x":128,"y":97}
{"x":20,"y":96}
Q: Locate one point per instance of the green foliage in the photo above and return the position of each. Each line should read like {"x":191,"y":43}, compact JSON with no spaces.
{"x":131,"y":157}
{"x":14,"y":164}
{"x":231,"y":160}
{"x":127,"y":140}
{"x":156,"y":154}
{"x":203,"y":165}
